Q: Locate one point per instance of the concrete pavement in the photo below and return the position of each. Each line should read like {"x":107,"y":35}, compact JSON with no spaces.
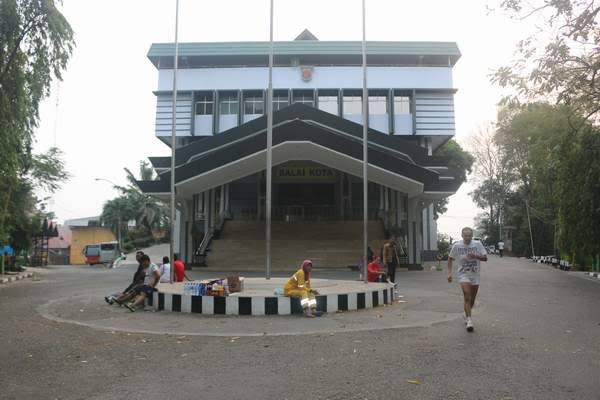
{"x":536,"y":337}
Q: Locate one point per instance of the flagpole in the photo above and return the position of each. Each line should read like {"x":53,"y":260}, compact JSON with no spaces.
{"x":173,"y":127}
{"x":365,"y":121}
{"x":269,"y":150}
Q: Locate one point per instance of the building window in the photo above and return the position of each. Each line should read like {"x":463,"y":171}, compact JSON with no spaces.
{"x":329,"y":104}
{"x":228,"y":104}
{"x":280,"y":100}
{"x":352,"y":105}
{"x":401,"y":105}
{"x":304,"y":98}
{"x":254,"y":105}
{"x":378,"y":105}
{"x":204,"y":105}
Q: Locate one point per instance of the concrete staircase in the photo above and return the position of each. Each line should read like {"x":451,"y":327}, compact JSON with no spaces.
{"x":331,"y":244}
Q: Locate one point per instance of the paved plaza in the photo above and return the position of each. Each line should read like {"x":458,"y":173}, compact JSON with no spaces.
{"x":537,"y":337}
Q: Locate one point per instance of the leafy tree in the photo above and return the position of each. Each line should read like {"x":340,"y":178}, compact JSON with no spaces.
{"x":460,"y":161}
{"x":36,"y":42}
{"x":149,"y":213}
{"x":493,"y":177}
{"x":564,"y":68}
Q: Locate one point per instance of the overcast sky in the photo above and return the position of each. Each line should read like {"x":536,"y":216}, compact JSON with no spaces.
{"x":103,"y":119}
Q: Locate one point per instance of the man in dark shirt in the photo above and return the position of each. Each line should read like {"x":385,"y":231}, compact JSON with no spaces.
{"x":138,"y":280}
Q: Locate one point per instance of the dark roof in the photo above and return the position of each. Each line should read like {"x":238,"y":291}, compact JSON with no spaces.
{"x":299,"y":122}
{"x":303,"y":112}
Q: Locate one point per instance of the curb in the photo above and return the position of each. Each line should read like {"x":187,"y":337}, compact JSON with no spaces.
{"x":16,"y":277}
{"x":275,"y":305}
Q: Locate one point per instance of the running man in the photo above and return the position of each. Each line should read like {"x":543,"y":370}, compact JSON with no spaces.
{"x":468,"y":253}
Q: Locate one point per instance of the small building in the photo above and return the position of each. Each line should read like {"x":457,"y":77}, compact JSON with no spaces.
{"x":86,"y":231}
{"x":59,"y":247}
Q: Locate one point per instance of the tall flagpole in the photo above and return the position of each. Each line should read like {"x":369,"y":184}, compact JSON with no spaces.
{"x":173,"y":123}
{"x":365,"y":121}
{"x":269,"y":150}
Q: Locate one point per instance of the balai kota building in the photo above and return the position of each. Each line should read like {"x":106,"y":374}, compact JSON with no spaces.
{"x":317,"y":204}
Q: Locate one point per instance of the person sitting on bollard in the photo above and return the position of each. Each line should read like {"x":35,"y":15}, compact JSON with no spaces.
{"x":179,"y":269}
{"x":138,"y":280}
{"x":147,"y":289}
{"x":165,"y":270}
{"x":299,"y":286}
{"x":374,"y":271}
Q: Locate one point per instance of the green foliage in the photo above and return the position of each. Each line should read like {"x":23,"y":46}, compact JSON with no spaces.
{"x":565,"y":68}
{"x":551,"y":154}
{"x":578,"y":190}
{"x":149,"y":213}
{"x":460,"y":161}
{"x":443,"y":245}
{"x":36,"y":42}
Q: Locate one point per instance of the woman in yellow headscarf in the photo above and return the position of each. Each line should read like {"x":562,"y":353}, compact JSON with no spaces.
{"x":299,"y":286}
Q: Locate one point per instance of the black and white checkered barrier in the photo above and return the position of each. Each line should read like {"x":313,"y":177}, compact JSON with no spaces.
{"x":554,"y":261}
{"x":594,"y":274}
{"x":14,"y":278}
{"x":275,"y":305}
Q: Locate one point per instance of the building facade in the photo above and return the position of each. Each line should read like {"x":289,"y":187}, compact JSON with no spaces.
{"x":317,"y":135}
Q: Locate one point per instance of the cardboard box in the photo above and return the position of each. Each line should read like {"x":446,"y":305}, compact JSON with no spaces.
{"x":235,"y":283}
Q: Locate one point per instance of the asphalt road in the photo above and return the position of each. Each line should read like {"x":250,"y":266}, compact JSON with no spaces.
{"x":537,"y":337}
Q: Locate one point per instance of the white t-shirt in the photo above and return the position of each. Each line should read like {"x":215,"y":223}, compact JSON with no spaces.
{"x":149,"y":279}
{"x":165,"y":273}
{"x":500,"y":245}
{"x":459,"y":253}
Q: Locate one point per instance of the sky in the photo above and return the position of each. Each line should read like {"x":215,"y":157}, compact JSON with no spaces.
{"x":102,"y":114}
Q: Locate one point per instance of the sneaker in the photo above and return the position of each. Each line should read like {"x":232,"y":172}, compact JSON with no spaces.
{"x":470,"y":327}
{"x":130,"y":307}
{"x":109,"y":299}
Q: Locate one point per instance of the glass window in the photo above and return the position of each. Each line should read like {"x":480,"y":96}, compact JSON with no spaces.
{"x":401,"y":105}
{"x":329,"y":104}
{"x":377,"y":105}
{"x":280,"y":101}
{"x":204,"y":105}
{"x":352,"y":105}
{"x":254,"y":105}
{"x":228,"y":104}
{"x":304,"y":98}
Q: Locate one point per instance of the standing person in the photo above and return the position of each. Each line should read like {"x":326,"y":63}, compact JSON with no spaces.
{"x":374,"y":271}
{"x":390,"y":260}
{"x":468,"y":253}
{"x":500,"y":247}
{"x":179,"y":269}
{"x":299,"y":286}
{"x":147,"y":289}
{"x":165,"y":271}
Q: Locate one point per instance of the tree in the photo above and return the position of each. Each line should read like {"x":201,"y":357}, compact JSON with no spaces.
{"x":149,"y":213}
{"x":564,"y":69}
{"x":36,"y":42}
{"x":493,"y":177}
{"x":460,"y":161}
{"x":25,"y":211}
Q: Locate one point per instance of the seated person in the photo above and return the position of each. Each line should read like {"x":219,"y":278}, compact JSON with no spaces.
{"x":179,"y":269}
{"x":374,"y":271}
{"x":299,"y":286}
{"x":147,"y":289}
{"x":165,"y":271}
{"x":137,"y":281}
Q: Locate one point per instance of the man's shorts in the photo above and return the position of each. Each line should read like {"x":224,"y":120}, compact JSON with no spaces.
{"x":469,"y":277}
{"x":147,"y":290}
